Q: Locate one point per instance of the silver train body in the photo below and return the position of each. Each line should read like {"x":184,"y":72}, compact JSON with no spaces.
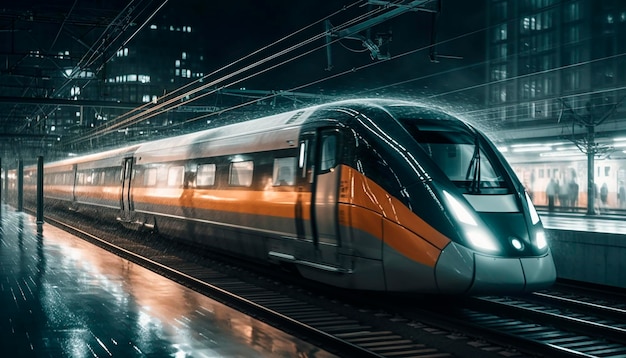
{"x":379,"y":195}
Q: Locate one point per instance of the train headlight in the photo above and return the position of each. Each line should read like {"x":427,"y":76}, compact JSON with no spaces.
{"x":478,"y":237}
{"x":540,"y":239}
{"x":481,"y":239}
{"x":459,"y":210}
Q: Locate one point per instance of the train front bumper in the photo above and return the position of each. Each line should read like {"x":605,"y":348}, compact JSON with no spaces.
{"x":460,"y":270}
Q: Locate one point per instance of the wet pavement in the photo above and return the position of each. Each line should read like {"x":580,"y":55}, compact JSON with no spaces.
{"x":63,"y":297}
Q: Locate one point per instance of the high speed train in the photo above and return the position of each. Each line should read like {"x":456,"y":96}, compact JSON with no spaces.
{"x":369,"y":194}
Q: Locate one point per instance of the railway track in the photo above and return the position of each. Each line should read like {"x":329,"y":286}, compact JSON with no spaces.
{"x":319,"y":320}
{"x":546,"y":324}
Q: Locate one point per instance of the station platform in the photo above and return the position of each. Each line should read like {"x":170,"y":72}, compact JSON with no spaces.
{"x":63,"y":297}
{"x":601,"y":223}
{"x":588,"y":248}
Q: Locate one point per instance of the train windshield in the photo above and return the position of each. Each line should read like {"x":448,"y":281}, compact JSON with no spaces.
{"x":456,"y":150}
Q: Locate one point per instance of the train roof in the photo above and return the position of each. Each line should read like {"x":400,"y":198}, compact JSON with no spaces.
{"x":275,"y":132}
{"x":279,"y":131}
{"x":100,"y":159}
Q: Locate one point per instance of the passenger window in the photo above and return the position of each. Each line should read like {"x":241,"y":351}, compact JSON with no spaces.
{"x":241,"y":173}
{"x":284,"y":171}
{"x":150,"y":177}
{"x":175,"y":176}
{"x":205,"y":175}
{"x":329,"y":152}
{"x":302,"y":156}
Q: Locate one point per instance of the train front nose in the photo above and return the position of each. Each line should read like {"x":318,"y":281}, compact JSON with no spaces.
{"x":460,"y":270}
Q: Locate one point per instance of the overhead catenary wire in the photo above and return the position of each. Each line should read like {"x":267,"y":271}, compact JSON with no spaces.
{"x":102,"y":43}
{"x":155,"y":110}
{"x":162,"y":108}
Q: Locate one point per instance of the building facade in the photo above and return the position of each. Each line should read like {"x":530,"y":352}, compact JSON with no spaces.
{"x":556,"y":96}
{"x":551,"y":60}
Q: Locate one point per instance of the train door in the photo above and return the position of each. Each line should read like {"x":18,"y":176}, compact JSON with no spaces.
{"x":125,"y":203}
{"x":304,"y":179}
{"x":319,"y":174}
{"x":73,"y":178}
{"x":326,"y":187}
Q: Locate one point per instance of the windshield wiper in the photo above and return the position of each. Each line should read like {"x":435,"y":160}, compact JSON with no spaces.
{"x":473,"y":169}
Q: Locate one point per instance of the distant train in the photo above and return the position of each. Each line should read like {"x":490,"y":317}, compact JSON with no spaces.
{"x":379,"y":195}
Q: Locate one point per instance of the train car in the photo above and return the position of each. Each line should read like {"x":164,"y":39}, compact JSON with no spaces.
{"x":368,"y":194}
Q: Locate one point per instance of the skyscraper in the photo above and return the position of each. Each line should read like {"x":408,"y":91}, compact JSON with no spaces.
{"x":550,"y":61}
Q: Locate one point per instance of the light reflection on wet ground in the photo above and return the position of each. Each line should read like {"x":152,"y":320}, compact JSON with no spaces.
{"x":63,"y":297}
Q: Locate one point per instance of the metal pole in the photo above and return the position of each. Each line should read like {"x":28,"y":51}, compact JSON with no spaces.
{"x":592,"y":195}
{"x":20,"y":185}
{"x":6,"y":184}
{"x":1,"y":180}
{"x":39,"y":190}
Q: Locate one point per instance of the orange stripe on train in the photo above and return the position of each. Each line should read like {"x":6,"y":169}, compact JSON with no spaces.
{"x":367,"y":194}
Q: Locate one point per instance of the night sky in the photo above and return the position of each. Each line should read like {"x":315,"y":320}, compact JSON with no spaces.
{"x":230,"y":30}
{"x":237,"y":28}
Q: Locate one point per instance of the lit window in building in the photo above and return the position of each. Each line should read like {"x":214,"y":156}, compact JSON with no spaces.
{"x":177,"y":63}
{"x":77,"y":113}
{"x":609,"y":19}
{"x":177,"y":72}
{"x":145,"y":98}
{"x":499,"y":73}
{"x":154,"y":100}
{"x":539,"y":109}
{"x":132,"y":78}
{"x":75,"y":91}
{"x":125,"y":51}
{"x":171,"y":28}
{"x":529,"y":23}
{"x":622,"y":16}
{"x":143,"y":78}
{"x":184,"y":55}
{"x":153,"y":27}
{"x":501,"y":32}
{"x":572,"y":11}
{"x":188,"y":74}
